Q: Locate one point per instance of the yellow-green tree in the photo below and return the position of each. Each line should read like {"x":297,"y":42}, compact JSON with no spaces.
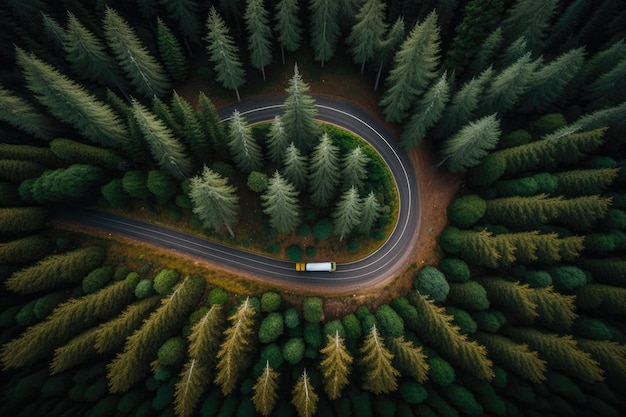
{"x":133,"y":364}
{"x":196,"y":374}
{"x":266,"y":391}
{"x":303,"y":397}
{"x":561,"y":352}
{"x":436,"y":328}
{"x":511,"y":297}
{"x":408,"y":358}
{"x":379,"y":377}
{"x":335,"y":366}
{"x":112,"y":334}
{"x":79,"y":349}
{"x":66,"y":321}
{"x":513,"y":356}
{"x":555,"y":310}
{"x":611,"y":356}
{"x":233,"y":353}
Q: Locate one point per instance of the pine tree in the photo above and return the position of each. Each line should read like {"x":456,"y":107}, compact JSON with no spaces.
{"x":379,"y":377}
{"x":608,"y":88}
{"x":601,"y":297}
{"x":426,"y":113}
{"x":191,"y":129}
{"x":237,"y":344}
{"x":560,"y":352}
{"x":437,"y":329}
{"x":408,"y":358}
{"x":508,"y":86}
{"x":71,"y":103}
{"x":335,"y":366}
{"x":530,"y":19}
{"x":259,"y":34}
{"x":166,"y":150}
{"x":185,"y":13}
{"x":609,"y":354}
{"x":555,"y":311}
{"x":466,"y":148}
{"x":77,"y":350}
{"x":287,"y":25}
{"x":354,"y":168}
{"x":370,"y":212}
{"x":215,"y":201}
{"x":325,"y":28}
{"x":87,"y":55}
{"x":280,"y":202}
{"x":548,"y":83}
{"x":303,"y":396}
{"x":73,"y":152}
{"x":266,"y":390}
{"x":244,"y":150}
{"x":25,"y":250}
{"x":170,"y":52}
{"x":67,"y":320}
{"x":112,"y":334}
{"x":460,"y":111}
{"x":295,"y":168}
{"x":324,"y":171}
{"x":23,"y":115}
{"x":414,"y":67}
{"x":477,"y":21}
{"x":561,"y":30}
{"x":514,"y":357}
{"x":487,"y":52}
{"x":211,"y":124}
{"x":510,"y":297}
{"x":367,"y":33}
{"x":277,"y":141}
{"x":133,"y":364}
{"x":23,"y":220}
{"x":144,"y":72}
{"x":196,"y":374}
{"x":347,"y":212}
{"x":387,"y":49}
{"x":54,"y":32}
{"x":56,"y":271}
{"x":224,"y":54}
{"x":585,"y":181}
{"x":298,"y":117}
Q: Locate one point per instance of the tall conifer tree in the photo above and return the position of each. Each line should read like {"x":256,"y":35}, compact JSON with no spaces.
{"x":393,"y":38}
{"x":299,"y":113}
{"x":380,"y":377}
{"x":243,"y":147}
{"x":471,"y":143}
{"x":171,"y":52}
{"x":266,"y":390}
{"x":335,"y":366}
{"x":24,"y":116}
{"x":325,"y":28}
{"x":303,"y":396}
{"x":324,"y":171}
{"x":287,"y":26}
{"x":259,"y":35}
{"x":367,"y":33}
{"x":280,"y":202}
{"x":347,"y":212}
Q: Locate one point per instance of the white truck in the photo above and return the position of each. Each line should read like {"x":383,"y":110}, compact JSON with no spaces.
{"x":316,"y":266}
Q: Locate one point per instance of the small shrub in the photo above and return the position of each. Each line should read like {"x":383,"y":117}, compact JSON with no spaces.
{"x":462,"y":319}
{"x":295,"y":253}
{"x":441,"y":372}
{"x":310,"y":251}
{"x":144,"y":289}
{"x":218,"y":296}
{"x":165,"y":280}
{"x":271,"y":327}
{"x":97,"y":279}
{"x":466,"y":210}
{"x":304,"y":230}
{"x":292,"y":319}
{"x":431,"y":282}
{"x":172,"y":352}
{"x":313,"y":309}
{"x":257,"y":181}
{"x":293,"y":350}
{"x":455,"y":269}
{"x":322,"y":228}
{"x":270,"y":301}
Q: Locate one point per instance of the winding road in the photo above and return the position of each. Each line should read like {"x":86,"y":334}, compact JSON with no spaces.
{"x":384,"y":263}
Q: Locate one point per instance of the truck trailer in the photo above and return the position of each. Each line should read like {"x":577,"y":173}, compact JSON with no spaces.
{"x":316,"y":266}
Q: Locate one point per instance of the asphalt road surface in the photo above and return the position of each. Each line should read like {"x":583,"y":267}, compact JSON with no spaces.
{"x":384,"y":263}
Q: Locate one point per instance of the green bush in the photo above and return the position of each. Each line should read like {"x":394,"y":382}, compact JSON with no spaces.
{"x":526,"y":186}
{"x":165,"y":280}
{"x":273,"y":354}
{"x":295,"y":253}
{"x":271,"y":327}
{"x":390,"y":324}
{"x":549,"y":123}
{"x":440,"y":372}
{"x":463,"y":399}
{"x":322,"y":228}
{"x":352,"y":326}
{"x":515,"y":138}
{"x":270,"y":301}
{"x":334,"y":326}
{"x":462,"y":319}
{"x":45,"y":304}
{"x":432,"y":283}
{"x":455,"y":269}
{"x":546,"y":183}
{"x":313,"y":309}
{"x":488,"y":171}
{"x":218,"y":296}
{"x":144,"y":289}
{"x":293,"y":350}
{"x":487,"y":321}
{"x":312,"y":333}
{"x":172,"y":352}
{"x":466,"y":210}
{"x":97,"y":279}
{"x":468,"y":296}
{"x":292,"y":318}
{"x":567,"y":278}
{"x":304,"y":230}
{"x":538,"y":279}
{"x":412,"y":392}
{"x":132,"y":279}
{"x":310,"y":251}
{"x":257,"y":181}
{"x":591,"y":328}
{"x":450,"y":240}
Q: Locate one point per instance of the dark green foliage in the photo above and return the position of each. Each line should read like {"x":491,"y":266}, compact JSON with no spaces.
{"x":412,"y":392}
{"x":144,"y":289}
{"x":463,"y":399}
{"x":172,"y":352}
{"x":466,"y":210}
{"x":591,"y":328}
{"x":171,"y":52}
{"x":352,"y":327}
{"x":313,"y":309}
{"x":525,"y":186}
{"x":257,"y":181}
{"x":440,"y":372}
{"x":97,"y":279}
{"x":161,"y":186}
{"x":73,"y":152}
{"x":73,"y":184}
{"x":134,"y":183}
{"x":295,"y":253}
{"x":292,"y":319}
{"x":489,"y":321}
{"x":271,"y":327}
{"x":322,"y":228}
{"x":431,"y":282}
{"x":489,"y":170}
{"x":113,"y":192}
{"x":462,"y":319}
{"x":293,"y":350}
{"x":270,"y":302}
{"x":389,"y":322}
{"x":22,"y":220}
{"x":468,"y":296}
{"x":165,"y":280}
{"x":454,"y":269}
{"x":567,"y":278}
{"x":17,"y":171}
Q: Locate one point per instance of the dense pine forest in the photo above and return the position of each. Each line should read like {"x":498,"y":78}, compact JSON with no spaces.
{"x":523,"y":315}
